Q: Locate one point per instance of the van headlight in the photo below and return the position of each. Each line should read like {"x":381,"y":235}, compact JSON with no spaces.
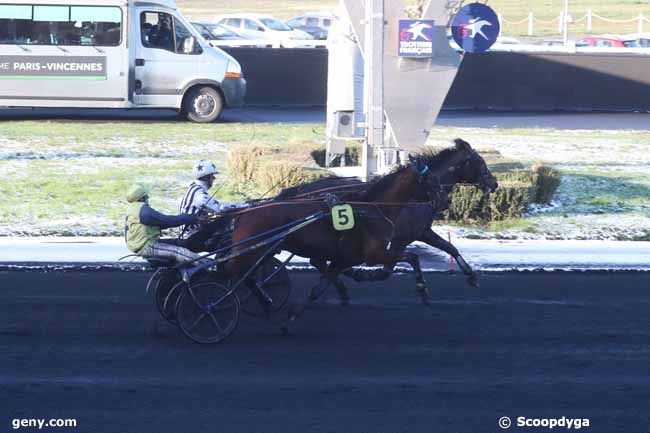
{"x":233,"y":70}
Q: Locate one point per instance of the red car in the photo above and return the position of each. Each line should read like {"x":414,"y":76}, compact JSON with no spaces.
{"x":599,"y":42}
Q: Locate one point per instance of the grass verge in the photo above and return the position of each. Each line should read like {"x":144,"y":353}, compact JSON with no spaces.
{"x":68,"y":178}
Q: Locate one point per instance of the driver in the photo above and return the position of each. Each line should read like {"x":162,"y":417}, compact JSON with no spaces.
{"x":197,"y":200}
{"x":143,"y":226}
{"x":161,"y":35}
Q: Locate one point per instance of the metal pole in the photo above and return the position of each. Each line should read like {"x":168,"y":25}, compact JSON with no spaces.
{"x":374,"y":85}
{"x":566,"y":23}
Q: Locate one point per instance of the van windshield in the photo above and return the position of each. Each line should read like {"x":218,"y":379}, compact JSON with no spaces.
{"x":275,"y":25}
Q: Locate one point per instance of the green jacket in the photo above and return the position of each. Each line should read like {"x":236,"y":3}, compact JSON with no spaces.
{"x":137,"y":234}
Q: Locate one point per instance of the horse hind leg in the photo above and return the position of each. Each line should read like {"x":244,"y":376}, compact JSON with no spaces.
{"x":329,"y":275}
{"x":332,"y":274}
{"x":297,"y":308}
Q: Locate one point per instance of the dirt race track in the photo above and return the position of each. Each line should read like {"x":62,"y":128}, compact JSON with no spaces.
{"x":89,"y":346}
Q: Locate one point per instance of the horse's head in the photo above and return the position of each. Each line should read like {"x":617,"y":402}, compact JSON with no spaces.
{"x":469,"y":167}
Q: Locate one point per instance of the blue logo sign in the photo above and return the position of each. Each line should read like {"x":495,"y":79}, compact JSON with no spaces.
{"x":415,"y":38}
{"x":475,"y":27}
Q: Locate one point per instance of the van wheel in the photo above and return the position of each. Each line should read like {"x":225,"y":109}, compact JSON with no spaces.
{"x":203,"y":105}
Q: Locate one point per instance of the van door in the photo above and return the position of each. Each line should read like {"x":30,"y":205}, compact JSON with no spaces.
{"x":166,"y":56}
{"x":48,"y":50}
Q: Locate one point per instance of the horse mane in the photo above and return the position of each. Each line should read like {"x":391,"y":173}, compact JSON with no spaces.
{"x":380,"y":184}
{"x":314,"y":186}
{"x":432,"y":158}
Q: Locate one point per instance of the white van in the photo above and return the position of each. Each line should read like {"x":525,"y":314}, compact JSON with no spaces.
{"x":112,"y":54}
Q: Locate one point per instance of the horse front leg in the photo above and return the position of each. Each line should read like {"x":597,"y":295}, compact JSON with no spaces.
{"x":431,"y":238}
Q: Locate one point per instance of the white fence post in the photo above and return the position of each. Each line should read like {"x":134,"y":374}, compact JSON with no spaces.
{"x":640,"y":27}
{"x":589,"y":20}
{"x":530,"y":23}
{"x":560,"y":23}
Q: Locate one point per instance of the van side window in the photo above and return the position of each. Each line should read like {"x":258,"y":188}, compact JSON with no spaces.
{"x":156,"y":30}
{"x":183,"y":38}
{"x":60,"y":25}
{"x":161,"y":30}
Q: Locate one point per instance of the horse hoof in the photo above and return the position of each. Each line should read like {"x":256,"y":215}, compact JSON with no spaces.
{"x":423,"y":290}
{"x":472,"y":280}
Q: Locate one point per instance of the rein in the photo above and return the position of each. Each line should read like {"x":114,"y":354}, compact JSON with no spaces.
{"x":320,"y":200}
{"x":318,"y":191}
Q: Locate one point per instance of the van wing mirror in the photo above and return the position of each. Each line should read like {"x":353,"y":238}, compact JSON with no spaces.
{"x":188,"y":45}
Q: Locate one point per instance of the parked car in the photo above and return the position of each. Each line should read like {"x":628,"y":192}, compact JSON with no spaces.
{"x":314,"y":19}
{"x":258,"y":26}
{"x":636,"y":40}
{"x":552,"y":42}
{"x":217,"y":35}
{"x":316,"y":24}
{"x":598,"y":41}
{"x":318,"y":33}
{"x":213,"y":31}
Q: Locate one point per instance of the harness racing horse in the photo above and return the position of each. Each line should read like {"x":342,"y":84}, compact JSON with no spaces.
{"x":366,"y":242}
{"x":378,"y":208}
{"x":463,"y":164}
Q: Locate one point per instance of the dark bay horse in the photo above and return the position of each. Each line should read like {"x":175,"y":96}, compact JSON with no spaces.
{"x":414,"y":222}
{"x":332,"y":251}
{"x":380,"y":204}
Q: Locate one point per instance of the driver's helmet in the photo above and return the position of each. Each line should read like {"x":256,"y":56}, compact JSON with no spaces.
{"x":203,"y":168}
{"x":136,"y":192}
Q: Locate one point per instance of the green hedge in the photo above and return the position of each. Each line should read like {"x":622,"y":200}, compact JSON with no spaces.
{"x":269,"y":170}
{"x":517,"y":189}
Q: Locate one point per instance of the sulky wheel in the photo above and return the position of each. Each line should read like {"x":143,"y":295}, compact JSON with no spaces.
{"x":207,"y":312}
{"x":153,"y":280}
{"x":273,"y":278}
{"x":166,"y":294}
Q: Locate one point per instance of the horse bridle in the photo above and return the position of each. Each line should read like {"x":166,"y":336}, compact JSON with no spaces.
{"x":432,"y":194}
